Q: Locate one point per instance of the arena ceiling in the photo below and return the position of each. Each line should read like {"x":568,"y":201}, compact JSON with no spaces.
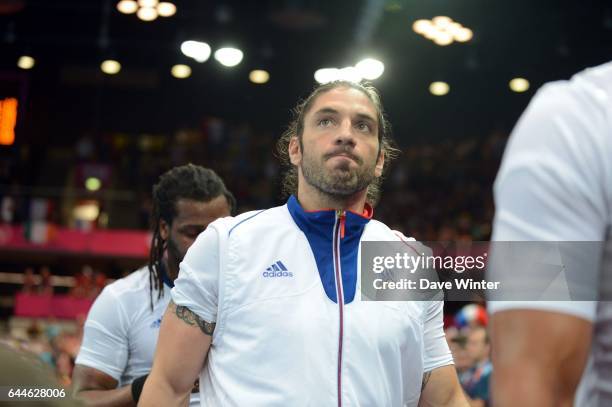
{"x":65,"y":94}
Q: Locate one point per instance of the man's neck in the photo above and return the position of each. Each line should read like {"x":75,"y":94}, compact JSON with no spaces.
{"x":171,"y":270}
{"x":312,"y":199}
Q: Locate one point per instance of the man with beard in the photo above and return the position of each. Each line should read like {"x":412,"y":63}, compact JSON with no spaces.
{"x":122,"y":326}
{"x":272,"y":297}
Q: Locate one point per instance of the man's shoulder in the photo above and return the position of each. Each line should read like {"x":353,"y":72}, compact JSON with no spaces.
{"x":586,"y":95}
{"x":377,"y":230}
{"x":251,"y":219}
{"x":136,"y":281}
{"x":596,"y":79}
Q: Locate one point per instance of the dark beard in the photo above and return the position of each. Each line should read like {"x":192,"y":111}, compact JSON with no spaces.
{"x":175,"y":257}
{"x":340,"y":182}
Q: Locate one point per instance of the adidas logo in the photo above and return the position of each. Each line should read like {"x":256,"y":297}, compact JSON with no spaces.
{"x":278,"y":269}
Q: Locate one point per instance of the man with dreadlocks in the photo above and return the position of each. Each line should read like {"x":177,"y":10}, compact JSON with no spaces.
{"x":271,"y":297}
{"x":123,"y":324}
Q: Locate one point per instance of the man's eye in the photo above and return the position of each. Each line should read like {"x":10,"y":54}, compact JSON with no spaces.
{"x":364,"y":127}
{"x":192,"y":233}
{"x":325,"y":122}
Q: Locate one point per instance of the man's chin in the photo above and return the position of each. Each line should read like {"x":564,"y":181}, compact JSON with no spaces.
{"x":344,"y":165}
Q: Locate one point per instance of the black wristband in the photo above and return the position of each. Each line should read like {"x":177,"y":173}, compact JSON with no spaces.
{"x":137,"y":386}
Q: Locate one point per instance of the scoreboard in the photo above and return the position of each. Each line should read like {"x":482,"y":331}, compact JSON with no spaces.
{"x":12,"y":94}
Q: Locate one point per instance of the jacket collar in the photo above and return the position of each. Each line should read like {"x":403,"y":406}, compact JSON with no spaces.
{"x":309,"y":221}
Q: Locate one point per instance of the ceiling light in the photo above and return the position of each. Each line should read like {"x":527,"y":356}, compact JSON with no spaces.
{"x":166,"y":9}
{"x":370,"y":68}
{"x":228,"y":56}
{"x":442,"y":21}
{"x":110,"y":67}
{"x":454,"y":28}
{"x":147,"y":14}
{"x":349,"y":74}
{"x":443,"y":38}
{"x":259,"y":76}
{"x":181,"y":71}
{"x":420,"y":26}
{"x":463,"y":35}
{"x":86,"y":211}
{"x":439,"y":88}
{"x":325,"y":75}
{"x":148,"y":3}
{"x":93,"y":184}
{"x":519,"y":85}
{"x":127,"y":6}
{"x":442,"y":30}
{"x":431,"y":32}
{"x":200,"y":51}
{"x":26,"y":62}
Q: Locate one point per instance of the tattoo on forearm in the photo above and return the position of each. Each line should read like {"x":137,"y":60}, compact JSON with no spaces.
{"x":426,"y":376}
{"x":190,"y":318}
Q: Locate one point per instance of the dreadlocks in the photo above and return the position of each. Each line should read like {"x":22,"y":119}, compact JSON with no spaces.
{"x":186,"y":182}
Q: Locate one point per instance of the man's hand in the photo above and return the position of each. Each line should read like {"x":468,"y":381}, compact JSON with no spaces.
{"x":441,"y":388}
{"x":184,"y":340}
{"x":538,"y":357}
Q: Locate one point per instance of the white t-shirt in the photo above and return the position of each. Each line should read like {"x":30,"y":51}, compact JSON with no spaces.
{"x":555,"y":184}
{"x":121,"y":330}
{"x":555,"y":180}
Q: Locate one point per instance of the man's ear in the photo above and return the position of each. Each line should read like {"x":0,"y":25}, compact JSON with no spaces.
{"x":164,"y":229}
{"x":380,"y":163}
{"x":295,"y":152}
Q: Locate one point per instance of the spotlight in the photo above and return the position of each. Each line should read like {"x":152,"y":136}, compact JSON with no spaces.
{"x":519,"y":85}
{"x":148,"y":3}
{"x":443,"y":38}
{"x":127,"y":6}
{"x":26,"y":62}
{"x":181,"y":71}
{"x":228,"y":56}
{"x":200,"y":51}
{"x":259,"y":76}
{"x":350,"y":74}
{"x":370,"y":68}
{"x":442,"y":21}
{"x":421,"y":26}
{"x":110,"y":67}
{"x":439,"y":88}
{"x":463,"y":35}
{"x":147,"y":14}
{"x":325,"y":75}
{"x":166,"y":9}
{"x":93,"y":184}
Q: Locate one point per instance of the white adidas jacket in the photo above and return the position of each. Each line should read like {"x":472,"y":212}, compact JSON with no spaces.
{"x":271,"y":280}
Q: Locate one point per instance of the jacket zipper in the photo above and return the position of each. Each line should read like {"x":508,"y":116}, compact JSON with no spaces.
{"x":338,"y":235}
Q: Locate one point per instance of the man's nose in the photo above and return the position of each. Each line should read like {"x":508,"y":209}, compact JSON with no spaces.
{"x":345,"y":133}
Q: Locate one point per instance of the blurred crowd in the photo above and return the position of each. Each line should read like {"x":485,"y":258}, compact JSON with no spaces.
{"x":468,"y":340}
{"x":443,"y":191}
{"x":54,"y":342}
{"x":87,"y":283}
{"x":433,"y":191}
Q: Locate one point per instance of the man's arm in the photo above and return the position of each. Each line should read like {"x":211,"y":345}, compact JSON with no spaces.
{"x":538,"y":356}
{"x":441,"y":388}
{"x":103,"y":355}
{"x":184,"y":340}
{"x":97,"y":389}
